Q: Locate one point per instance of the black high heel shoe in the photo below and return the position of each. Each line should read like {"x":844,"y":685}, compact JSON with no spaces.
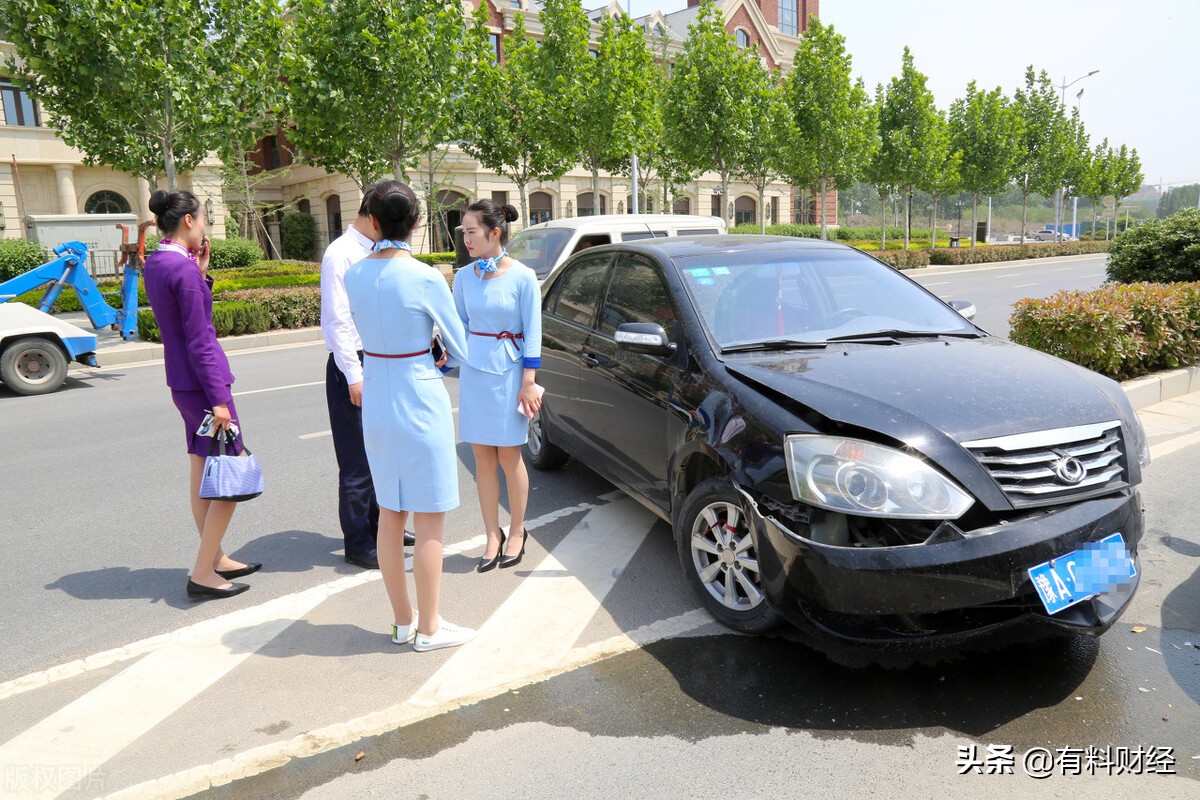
{"x":198,"y":590}
{"x":487,"y":564}
{"x":512,"y":561}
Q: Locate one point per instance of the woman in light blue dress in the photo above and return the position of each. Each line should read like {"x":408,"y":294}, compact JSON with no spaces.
{"x":408,"y":428}
{"x":500,"y":303}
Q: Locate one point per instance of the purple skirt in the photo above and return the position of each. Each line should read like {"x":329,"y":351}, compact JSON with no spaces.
{"x":192,"y":407}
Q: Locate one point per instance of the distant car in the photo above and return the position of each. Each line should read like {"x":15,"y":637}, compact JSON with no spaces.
{"x":834,"y":446}
{"x":1048,"y":235}
{"x":544,"y":246}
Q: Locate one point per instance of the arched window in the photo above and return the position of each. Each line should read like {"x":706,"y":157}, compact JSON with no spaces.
{"x":106,"y":202}
{"x":541,"y":207}
{"x":742,"y":38}
{"x":743,"y":210}
{"x":333,"y":216}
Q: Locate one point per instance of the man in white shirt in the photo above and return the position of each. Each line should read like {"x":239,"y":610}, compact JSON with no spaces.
{"x":357,"y":509}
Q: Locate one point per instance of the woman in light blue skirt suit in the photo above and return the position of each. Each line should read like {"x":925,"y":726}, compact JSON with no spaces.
{"x":500,"y":303}
{"x":408,"y":427}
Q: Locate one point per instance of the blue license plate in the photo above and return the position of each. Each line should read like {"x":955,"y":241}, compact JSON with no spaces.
{"x":1093,"y":569}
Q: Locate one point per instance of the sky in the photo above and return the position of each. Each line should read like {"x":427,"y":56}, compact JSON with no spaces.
{"x":1147,"y":54}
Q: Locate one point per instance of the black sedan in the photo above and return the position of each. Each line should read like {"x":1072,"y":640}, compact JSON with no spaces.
{"x":838,"y":448}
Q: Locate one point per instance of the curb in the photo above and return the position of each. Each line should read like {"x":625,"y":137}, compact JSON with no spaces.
{"x":134,"y":352}
{"x":1161,"y":386}
{"x":1023,"y":262}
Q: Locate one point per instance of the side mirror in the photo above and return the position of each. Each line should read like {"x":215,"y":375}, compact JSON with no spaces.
{"x":644,"y":337}
{"x":964,"y":307}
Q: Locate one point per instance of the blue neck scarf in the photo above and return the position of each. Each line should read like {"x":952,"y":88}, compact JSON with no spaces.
{"x":384,"y":244}
{"x":487,"y":265}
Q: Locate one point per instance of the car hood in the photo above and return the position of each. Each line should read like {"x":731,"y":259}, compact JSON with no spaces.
{"x":963,"y":389}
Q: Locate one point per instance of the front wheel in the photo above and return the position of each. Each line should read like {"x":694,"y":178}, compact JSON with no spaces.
{"x":540,"y":452}
{"x":33,"y":366}
{"x":720,"y":559}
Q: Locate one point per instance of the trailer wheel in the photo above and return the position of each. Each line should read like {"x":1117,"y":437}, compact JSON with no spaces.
{"x":33,"y":366}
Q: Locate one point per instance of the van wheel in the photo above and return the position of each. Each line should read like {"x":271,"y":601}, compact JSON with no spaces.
{"x":720,"y":558}
{"x":540,"y":452}
{"x":33,"y":366}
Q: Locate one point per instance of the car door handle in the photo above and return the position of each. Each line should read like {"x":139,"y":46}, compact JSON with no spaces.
{"x":589,"y":360}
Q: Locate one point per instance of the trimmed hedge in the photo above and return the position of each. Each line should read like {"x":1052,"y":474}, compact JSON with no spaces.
{"x":1161,"y":250}
{"x":224,"y":285}
{"x":845,"y":233}
{"x":234,"y":252}
{"x":18,"y":256}
{"x":263,"y":269}
{"x":298,"y":307}
{"x":298,"y":236}
{"x":1014,"y":252}
{"x":230,"y":318}
{"x":1120,"y":330}
{"x":432,"y":259}
{"x":903,"y":259}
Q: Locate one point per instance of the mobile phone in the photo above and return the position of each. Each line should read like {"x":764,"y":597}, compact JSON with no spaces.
{"x":206,"y":425}
{"x":437,"y":348}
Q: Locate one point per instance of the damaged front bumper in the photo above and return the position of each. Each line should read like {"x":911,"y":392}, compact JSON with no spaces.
{"x":954,"y":588}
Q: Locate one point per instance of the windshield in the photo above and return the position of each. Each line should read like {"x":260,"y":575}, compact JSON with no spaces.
{"x":539,"y":249}
{"x":810,"y":296}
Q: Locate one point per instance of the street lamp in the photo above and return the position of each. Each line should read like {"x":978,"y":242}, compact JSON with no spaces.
{"x":1059,"y":199}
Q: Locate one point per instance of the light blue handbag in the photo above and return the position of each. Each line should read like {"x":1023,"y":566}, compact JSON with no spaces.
{"x":228,"y":476}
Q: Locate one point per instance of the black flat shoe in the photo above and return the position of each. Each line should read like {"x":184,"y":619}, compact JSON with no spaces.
{"x":198,"y":590}
{"x":367,"y":560}
{"x":512,"y":561}
{"x":240,"y":572}
{"x":487,"y":564}
{"x":409,"y":539}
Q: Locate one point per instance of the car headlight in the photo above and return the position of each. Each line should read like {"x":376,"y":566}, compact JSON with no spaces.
{"x":857,"y":477}
{"x":1140,"y":442}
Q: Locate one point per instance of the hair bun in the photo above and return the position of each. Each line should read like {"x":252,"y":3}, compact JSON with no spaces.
{"x":397,"y":204}
{"x":510,"y":213}
{"x":159,"y":201}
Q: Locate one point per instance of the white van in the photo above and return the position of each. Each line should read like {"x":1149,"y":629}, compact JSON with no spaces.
{"x":544,"y":246}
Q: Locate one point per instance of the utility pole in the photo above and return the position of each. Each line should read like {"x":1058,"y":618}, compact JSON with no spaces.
{"x":1058,"y":196}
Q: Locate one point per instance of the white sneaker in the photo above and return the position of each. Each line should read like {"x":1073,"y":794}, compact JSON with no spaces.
{"x":405,"y":634}
{"x":448,"y":635}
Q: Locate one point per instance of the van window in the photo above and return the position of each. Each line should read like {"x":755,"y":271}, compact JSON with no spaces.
{"x":699,"y":232}
{"x":592,"y":240}
{"x":660,"y":234}
{"x":539,"y":249}
{"x":633,"y":236}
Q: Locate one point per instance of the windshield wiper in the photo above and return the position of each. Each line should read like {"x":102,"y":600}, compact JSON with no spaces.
{"x":772,"y":344}
{"x":894,"y":334}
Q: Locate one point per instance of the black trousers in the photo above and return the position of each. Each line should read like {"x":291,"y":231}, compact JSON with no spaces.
{"x":357,"y":509}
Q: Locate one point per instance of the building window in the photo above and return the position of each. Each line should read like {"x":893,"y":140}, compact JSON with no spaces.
{"x":333,"y":216}
{"x":106,"y":202}
{"x":716,"y":206}
{"x":19,"y":108}
{"x":500,"y":198}
{"x":586,"y":208}
{"x":683,"y":205}
{"x":742,"y":38}
{"x":270,"y":149}
{"x":304,"y":207}
{"x":788,"y":17}
{"x":541,"y":208}
{"x":743,"y":211}
{"x":494,"y":40}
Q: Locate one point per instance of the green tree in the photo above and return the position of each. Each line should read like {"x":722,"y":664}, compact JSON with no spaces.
{"x":149,"y":90}
{"x":945,"y":172}
{"x":912,"y":148}
{"x":509,"y":119}
{"x":374,"y":86}
{"x":1125,"y":177}
{"x":1095,"y":179}
{"x":834,"y":132}
{"x":1045,"y":141}
{"x":759,"y":163}
{"x":985,"y":128}
{"x":616,"y":94}
{"x":707,"y":122}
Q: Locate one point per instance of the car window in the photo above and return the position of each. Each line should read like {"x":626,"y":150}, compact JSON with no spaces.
{"x":633,"y":236}
{"x":809,"y":295}
{"x":699,"y":232}
{"x":636,"y":293}
{"x":539,"y":249}
{"x":577,"y":291}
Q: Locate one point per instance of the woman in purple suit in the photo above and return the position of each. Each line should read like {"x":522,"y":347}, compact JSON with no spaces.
{"x":180,"y":293}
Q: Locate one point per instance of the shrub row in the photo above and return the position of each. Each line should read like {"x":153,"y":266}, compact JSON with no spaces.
{"x":844,"y":233}
{"x":234,"y":253}
{"x":1120,"y":330}
{"x":230,"y":318}
{"x":1015,"y":252}
{"x":435,"y":258}
{"x":1161,"y":250}
{"x":223,"y":285}
{"x":298,"y":307}
{"x":903,"y":259}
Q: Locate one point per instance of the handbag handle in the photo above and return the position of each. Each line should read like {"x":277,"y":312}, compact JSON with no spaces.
{"x":224,"y":439}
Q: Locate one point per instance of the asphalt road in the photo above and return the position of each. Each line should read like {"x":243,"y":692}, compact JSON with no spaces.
{"x":994,"y":289}
{"x":595,"y":674}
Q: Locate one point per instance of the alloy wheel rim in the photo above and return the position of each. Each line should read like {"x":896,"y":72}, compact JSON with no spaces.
{"x":535,"y":437}
{"x":724,"y":557}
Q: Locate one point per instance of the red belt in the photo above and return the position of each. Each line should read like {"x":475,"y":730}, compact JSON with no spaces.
{"x":397,"y":355}
{"x":503,"y":335}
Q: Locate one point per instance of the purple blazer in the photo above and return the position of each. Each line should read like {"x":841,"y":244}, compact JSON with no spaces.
{"x":182,"y":302}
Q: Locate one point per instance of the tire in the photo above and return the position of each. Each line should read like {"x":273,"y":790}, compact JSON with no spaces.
{"x":720,"y":564}
{"x":540,"y":452}
{"x":33,"y":366}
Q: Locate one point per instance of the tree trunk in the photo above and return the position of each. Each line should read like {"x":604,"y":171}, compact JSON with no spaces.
{"x":1024,"y":205}
{"x":169,"y":163}
{"x":933,"y":225}
{"x":595,"y":190}
{"x":974,"y":217}
{"x":762,"y":208}
{"x":726,"y":214}
{"x":524,"y":203}
{"x":883,"y":223}
{"x":822,"y":183}
{"x":907,"y":217}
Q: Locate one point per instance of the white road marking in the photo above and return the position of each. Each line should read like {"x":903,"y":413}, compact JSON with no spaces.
{"x":319,"y":434}
{"x":1064,"y":269}
{"x":1023,"y":285}
{"x":1174,"y":445}
{"x":279,"y":388}
{"x":527,"y":640}
{"x":936,"y":283}
{"x":1009,"y":275}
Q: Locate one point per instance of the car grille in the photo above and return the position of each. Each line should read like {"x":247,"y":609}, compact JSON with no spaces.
{"x":1050,"y":466}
